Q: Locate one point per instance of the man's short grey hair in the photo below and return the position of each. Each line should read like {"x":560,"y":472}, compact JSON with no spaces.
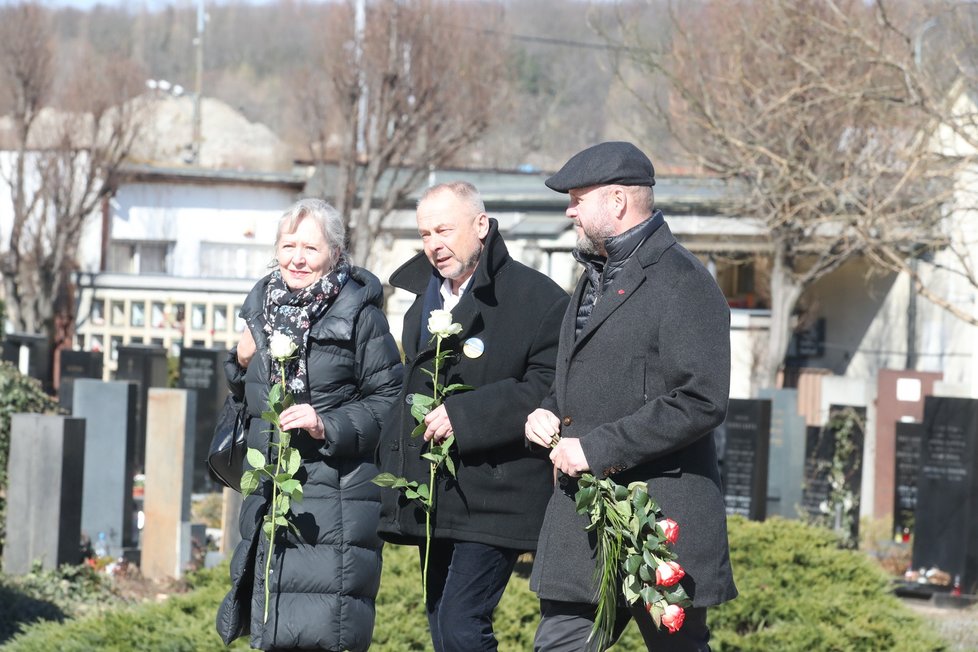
{"x":643,"y":198}
{"x":327,"y":218}
{"x":462,"y":190}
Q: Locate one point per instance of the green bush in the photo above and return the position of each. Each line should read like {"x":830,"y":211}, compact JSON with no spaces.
{"x":18,"y":393}
{"x":42,"y":595}
{"x":798,"y":591}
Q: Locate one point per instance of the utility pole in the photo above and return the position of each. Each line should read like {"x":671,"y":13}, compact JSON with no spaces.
{"x":198,"y":82}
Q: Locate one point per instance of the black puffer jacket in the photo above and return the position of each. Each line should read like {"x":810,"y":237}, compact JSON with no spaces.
{"x":324,"y":582}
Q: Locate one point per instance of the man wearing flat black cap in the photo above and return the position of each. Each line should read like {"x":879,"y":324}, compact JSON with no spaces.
{"x":642,"y":379}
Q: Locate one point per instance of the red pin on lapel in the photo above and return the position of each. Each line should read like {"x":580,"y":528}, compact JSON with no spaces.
{"x":621,"y":292}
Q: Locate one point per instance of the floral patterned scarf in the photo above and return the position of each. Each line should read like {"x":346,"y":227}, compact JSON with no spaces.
{"x":293,"y":313}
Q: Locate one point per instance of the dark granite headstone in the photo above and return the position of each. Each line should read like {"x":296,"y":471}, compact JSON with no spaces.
{"x":909,"y":436}
{"x":44,"y":492}
{"x":786,"y":460}
{"x":144,"y":365}
{"x":745,"y":437}
{"x":37,"y":352}
{"x":202,"y":370}
{"x":820,"y":452}
{"x":946,"y":515}
{"x":109,"y":410}
{"x":76,"y":364}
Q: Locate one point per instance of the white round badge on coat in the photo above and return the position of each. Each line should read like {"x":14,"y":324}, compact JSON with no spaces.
{"x":473,"y":347}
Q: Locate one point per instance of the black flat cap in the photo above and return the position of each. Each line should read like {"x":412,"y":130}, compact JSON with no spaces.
{"x":614,"y":162}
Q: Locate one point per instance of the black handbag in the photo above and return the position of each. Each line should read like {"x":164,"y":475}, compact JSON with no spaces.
{"x":225,"y":459}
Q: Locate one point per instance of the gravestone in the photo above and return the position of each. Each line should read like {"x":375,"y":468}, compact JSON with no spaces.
{"x":818,"y":458}
{"x":230,"y":528}
{"x":146,"y":366}
{"x":900,"y":398}
{"x":745,"y":436}
{"x":786,"y":460}
{"x":108,"y":513}
{"x":202,"y":370}
{"x":946,"y":515}
{"x":830,"y":468}
{"x":31,"y":354}
{"x":44,"y":492}
{"x":74,"y":365}
{"x":907,"y":441}
{"x":170,"y":426}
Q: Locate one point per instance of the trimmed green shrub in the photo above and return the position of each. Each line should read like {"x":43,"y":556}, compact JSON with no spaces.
{"x":42,"y":595}
{"x":18,"y":393}
{"x":798,"y":591}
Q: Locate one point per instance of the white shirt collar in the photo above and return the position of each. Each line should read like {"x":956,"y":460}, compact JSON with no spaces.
{"x":449,"y":298}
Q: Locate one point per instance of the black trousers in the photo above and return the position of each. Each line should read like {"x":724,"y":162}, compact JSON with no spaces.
{"x":465,"y":583}
{"x":566,"y":626}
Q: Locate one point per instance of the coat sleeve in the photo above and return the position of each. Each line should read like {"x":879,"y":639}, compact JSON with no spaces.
{"x":694,"y":363}
{"x":495,"y":414}
{"x":353,"y":429}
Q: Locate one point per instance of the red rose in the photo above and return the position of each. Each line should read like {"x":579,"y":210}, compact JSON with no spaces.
{"x":673,"y":618}
{"x":670,"y":529}
{"x":668,"y":573}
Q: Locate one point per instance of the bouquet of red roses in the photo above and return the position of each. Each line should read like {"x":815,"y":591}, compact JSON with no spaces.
{"x":633,"y":542}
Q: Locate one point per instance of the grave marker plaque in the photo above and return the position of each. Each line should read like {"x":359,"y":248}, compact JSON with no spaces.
{"x":202,"y":370}
{"x":44,"y":492}
{"x":109,"y":410}
{"x":907,"y":441}
{"x":786,"y":461}
{"x":820,"y":472}
{"x":747,"y":431}
{"x":946,"y":515}
{"x":146,"y":366}
{"x":74,"y":365}
{"x":166,"y":537}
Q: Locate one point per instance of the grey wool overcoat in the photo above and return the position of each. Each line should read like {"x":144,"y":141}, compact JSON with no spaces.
{"x":643,"y":386}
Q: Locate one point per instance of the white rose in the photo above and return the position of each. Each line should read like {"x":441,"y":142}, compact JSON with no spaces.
{"x":281,"y":346}
{"x":440,"y":324}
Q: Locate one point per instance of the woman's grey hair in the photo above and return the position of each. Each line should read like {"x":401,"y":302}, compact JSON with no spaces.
{"x":327,"y":218}
{"x":462,"y":190}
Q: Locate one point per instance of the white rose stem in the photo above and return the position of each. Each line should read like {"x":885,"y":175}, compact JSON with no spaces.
{"x":431,"y":484}
{"x":278,"y":469}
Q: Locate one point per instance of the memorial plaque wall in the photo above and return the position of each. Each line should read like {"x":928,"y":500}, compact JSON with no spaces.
{"x":746,"y":434}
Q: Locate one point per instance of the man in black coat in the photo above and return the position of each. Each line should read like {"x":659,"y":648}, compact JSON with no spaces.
{"x":642,"y":379}
{"x":492,"y":511}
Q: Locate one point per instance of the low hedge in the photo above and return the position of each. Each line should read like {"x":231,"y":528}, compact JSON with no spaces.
{"x":798,"y":591}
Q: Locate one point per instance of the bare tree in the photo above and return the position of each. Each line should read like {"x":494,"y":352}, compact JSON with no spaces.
{"x":806,"y":108}
{"x":410,"y":89}
{"x":64,"y":145}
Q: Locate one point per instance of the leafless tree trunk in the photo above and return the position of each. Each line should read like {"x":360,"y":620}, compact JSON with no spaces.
{"x":63,"y":149}
{"x":418,"y":86}
{"x":806,"y":108}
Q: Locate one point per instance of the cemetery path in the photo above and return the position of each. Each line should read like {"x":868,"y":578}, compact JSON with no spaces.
{"x":959,"y":627}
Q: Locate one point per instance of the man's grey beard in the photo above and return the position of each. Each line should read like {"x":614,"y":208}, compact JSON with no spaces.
{"x":587,"y":246}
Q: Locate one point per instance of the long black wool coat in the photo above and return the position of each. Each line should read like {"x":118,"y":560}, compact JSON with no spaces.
{"x":502,"y":486}
{"x":324,"y":582}
{"x":642,"y":387}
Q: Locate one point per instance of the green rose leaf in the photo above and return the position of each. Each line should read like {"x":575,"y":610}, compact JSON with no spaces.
{"x":450,"y":465}
{"x":290,"y":485}
{"x":385,"y":479}
{"x":249,"y":482}
{"x":275,"y":395}
{"x":457,"y":387}
{"x":255,"y":458}
{"x":266,"y":527}
{"x":292,"y":461}
{"x":270,"y":416}
{"x":419,"y":429}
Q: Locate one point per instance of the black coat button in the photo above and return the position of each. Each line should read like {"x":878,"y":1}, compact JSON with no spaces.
{"x":568,"y":421}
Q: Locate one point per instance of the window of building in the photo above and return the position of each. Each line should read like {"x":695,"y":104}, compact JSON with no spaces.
{"x":139,"y":256}
{"x":224,"y":260}
{"x":137,"y":314}
{"x":118,"y":309}
{"x":198,"y":316}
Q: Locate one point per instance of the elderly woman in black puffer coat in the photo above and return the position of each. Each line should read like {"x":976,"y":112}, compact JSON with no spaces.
{"x":345,"y":376}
